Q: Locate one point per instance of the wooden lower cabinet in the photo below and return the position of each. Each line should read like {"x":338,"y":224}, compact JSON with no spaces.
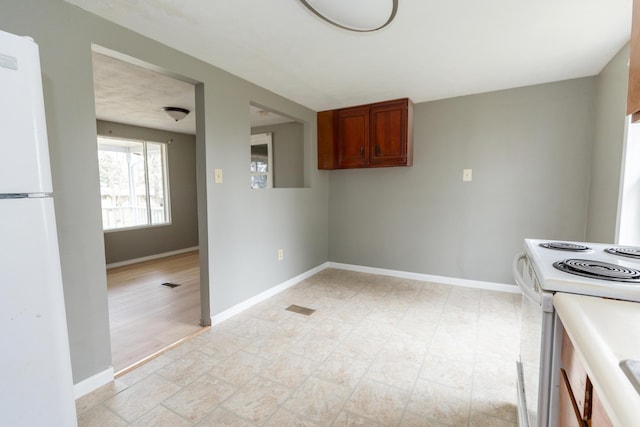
{"x":599,"y":417}
{"x":579,"y":404}
{"x":568,"y":410}
{"x":575,"y":374}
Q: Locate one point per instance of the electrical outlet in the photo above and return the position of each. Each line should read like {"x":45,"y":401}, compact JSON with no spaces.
{"x":218,"y":176}
{"x":467,"y":175}
{"x":280,"y":254}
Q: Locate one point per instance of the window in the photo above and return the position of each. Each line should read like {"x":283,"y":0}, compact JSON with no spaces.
{"x":628,"y":227}
{"x":133,"y":183}
{"x":261,"y":161}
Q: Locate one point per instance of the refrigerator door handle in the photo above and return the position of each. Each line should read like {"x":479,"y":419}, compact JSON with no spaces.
{"x":25,"y":195}
{"x":14,"y":196}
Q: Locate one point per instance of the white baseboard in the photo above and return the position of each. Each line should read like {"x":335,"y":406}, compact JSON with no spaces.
{"x":92,"y":383}
{"x":502,"y":287}
{"x":238,"y":308}
{"x":151,"y":257}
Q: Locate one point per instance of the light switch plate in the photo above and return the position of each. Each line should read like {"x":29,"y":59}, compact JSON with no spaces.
{"x":218,"y":176}
{"x":467,"y":175}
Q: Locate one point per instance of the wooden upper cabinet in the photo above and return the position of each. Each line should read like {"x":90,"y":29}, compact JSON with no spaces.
{"x":390,"y":145}
{"x":326,"y":137}
{"x":373,"y":135}
{"x":633,"y":94}
{"x":353,"y":134}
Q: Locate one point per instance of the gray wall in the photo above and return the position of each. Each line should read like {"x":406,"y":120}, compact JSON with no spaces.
{"x":608,"y":142}
{"x":288,"y":153}
{"x":241,"y":253}
{"x":183,"y":230}
{"x":529,"y":149}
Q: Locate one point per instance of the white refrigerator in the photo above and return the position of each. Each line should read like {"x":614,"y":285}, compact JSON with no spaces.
{"x":36,"y":386}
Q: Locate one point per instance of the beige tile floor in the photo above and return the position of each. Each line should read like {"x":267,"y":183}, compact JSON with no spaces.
{"x":378,"y":351}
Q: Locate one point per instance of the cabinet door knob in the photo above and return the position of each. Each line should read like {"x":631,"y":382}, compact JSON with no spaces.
{"x":362,"y":151}
{"x":377,"y":150}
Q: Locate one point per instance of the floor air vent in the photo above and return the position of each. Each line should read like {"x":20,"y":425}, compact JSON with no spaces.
{"x":170,"y":285}
{"x":300,"y":310}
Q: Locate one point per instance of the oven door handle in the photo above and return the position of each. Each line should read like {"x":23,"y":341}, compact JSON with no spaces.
{"x":526,"y":290}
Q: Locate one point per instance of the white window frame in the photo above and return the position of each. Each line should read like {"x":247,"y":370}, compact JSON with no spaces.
{"x":262,"y":139}
{"x":628,"y":223}
{"x":165,"y":177}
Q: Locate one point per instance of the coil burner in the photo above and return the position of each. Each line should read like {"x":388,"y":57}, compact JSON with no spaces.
{"x":625,"y":251}
{"x":565,"y":246}
{"x":599,"y":270}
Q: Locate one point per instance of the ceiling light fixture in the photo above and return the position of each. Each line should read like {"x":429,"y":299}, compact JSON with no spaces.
{"x":354,"y":15}
{"x":176,"y":113}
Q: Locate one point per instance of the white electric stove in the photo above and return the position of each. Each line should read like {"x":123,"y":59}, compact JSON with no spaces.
{"x":547,"y":267}
{"x":622,"y":266}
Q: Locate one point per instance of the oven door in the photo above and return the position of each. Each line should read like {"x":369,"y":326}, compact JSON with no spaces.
{"x":535,"y":365}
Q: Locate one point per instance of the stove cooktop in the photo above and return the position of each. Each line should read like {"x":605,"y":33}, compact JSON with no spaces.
{"x":565,"y":246}
{"x":565,"y":270}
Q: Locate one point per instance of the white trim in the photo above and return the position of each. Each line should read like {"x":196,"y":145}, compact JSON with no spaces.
{"x":151,"y":257}
{"x":502,"y":287}
{"x":238,"y":308}
{"x":135,"y":227}
{"x":623,"y":167}
{"x":92,"y":383}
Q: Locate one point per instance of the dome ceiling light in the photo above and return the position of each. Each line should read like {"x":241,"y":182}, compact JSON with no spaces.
{"x":176,"y":113}
{"x":354,"y":15}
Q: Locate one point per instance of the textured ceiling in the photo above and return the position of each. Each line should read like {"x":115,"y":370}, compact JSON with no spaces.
{"x":126,"y":93}
{"x":129,"y":94}
{"x":433,"y":49}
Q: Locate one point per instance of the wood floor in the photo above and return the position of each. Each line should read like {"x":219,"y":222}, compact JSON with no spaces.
{"x":146,"y":316}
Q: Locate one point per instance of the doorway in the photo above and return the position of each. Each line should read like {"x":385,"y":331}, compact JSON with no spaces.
{"x":157,"y":288}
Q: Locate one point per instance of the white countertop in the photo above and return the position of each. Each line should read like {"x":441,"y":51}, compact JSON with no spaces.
{"x":605,"y":332}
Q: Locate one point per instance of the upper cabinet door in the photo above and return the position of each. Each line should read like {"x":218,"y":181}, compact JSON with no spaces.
{"x":633,"y":95}
{"x":388,"y":138}
{"x":353,"y":137}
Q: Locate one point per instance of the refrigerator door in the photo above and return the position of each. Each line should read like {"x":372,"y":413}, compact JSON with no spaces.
{"x":36,"y":386}
{"x":24,"y":151}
